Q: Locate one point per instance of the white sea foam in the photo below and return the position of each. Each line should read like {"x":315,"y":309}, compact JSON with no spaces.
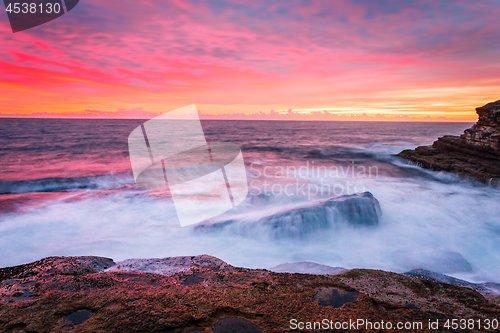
{"x":451,"y":228}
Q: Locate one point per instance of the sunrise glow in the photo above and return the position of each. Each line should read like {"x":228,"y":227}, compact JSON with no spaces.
{"x":353,"y":60}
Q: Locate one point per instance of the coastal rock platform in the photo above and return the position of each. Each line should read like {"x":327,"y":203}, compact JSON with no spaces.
{"x":205,"y":294}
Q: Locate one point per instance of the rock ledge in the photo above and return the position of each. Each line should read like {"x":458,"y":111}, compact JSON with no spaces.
{"x":474,"y":154}
{"x":205,"y":294}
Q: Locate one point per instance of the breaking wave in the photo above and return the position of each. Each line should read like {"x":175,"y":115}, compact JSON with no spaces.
{"x":357,"y":210}
{"x":110,"y":181}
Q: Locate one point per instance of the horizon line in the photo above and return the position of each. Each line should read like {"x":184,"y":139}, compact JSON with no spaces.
{"x":417,"y":120}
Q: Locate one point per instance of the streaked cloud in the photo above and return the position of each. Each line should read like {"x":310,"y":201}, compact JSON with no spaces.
{"x":250,"y":57}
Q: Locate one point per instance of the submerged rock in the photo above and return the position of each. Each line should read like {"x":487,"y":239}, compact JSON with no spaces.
{"x":444,"y":262}
{"x":357,"y":210}
{"x":487,"y":288}
{"x":306,"y":267}
{"x":475,"y":154}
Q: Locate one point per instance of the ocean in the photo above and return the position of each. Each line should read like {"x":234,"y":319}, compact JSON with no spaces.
{"x":66,"y":189}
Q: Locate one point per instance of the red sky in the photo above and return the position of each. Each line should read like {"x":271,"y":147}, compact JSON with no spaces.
{"x":417,"y":60}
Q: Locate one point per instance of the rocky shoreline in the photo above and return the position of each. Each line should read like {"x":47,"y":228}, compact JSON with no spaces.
{"x":205,"y":294}
{"x":474,"y":154}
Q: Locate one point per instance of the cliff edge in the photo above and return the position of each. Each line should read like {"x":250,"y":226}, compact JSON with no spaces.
{"x":475,"y":154}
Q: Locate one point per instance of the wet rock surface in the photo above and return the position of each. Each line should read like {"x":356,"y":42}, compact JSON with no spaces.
{"x":205,"y":294}
{"x":475,"y":154}
{"x":487,"y":288}
{"x":78,"y":317}
{"x":328,"y":296}
{"x":169,"y":266}
{"x":236,"y":325}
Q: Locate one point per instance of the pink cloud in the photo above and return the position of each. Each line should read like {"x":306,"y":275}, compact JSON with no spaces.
{"x":293,"y":53}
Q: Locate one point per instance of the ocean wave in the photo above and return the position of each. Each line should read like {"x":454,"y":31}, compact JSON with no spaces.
{"x":357,"y":210}
{"x":277,"y":149}
{"x":110,"y":181}
{"x":328,"y":152}
{"x":409,"y":170}
{"x":341,"y":152}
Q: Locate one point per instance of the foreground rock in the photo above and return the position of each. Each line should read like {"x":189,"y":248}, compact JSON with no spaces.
{"x":205,"y":294}
{"x":475,"y":154}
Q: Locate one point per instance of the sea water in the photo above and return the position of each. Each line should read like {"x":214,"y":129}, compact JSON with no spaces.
{"x":66,"y":189}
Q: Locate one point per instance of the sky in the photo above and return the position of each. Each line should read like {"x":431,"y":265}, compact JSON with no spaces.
{"x":293,"y":59}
